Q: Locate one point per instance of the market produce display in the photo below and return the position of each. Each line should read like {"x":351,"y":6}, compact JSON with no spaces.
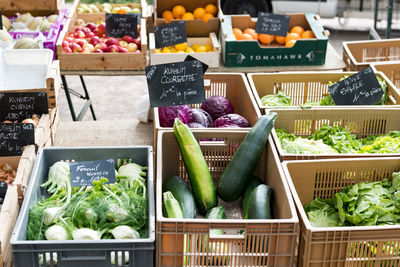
{"x":26,"y":22}
{"x":7,"y":176}
{"x":100,"y":211}
{"x":184,"y":48}
{"x":362,"y":204}
{"x":91,"y":38}
{"x":179,"y":12}
{"x":295,"y":33}
{"x":108,"y":8}
{"x":338,"y":140}
{"x":217,"y":111}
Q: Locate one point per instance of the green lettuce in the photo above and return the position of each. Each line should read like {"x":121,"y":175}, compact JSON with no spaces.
{"x":276,"y":100}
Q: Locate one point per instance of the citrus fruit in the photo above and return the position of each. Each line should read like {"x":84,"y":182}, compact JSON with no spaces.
{"x":297,"y":29}
{"x":181,"y":46}
{"x":238,"y":33}
{"x":251,"y":32}
{"x":194,"y":47}
{"x":210,"y":8}
{"x":292,"y":36}
{"x":246,"y":36}
{"x":167,"y":15}
{"x":201,"y":49}
{"x":199,"y":13}
{"x":189,"y":50}
{"x":165,"y":50}
{"x":307,"y":35}
{"x":290,"y":43}
{"x":207,"y":17}
{"x":281,"y":39}
{"x":188,"y":16}
{"x":180,"y":51}
{"x":178,"y":11}
{"x":266,"y":38}
{"x":173,"y":50}
{"x":158,"y":51}
{"x":209,"y":47}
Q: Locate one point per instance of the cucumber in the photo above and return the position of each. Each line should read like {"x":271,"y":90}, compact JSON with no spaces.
{"x":181,"y":191}
{"x":171,"y":207}
{"x":254,"y":182}
{"x":259,"y":203}
{"x":233,"y":181}
{"x":199,"y":175}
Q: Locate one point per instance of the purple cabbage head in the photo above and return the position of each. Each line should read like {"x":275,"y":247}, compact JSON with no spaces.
{"x":202,"y":117}
{"x":231,"y":121}
{"x":168,"y":114}
{"x":217,"y":106}
{"x":195,"y":125}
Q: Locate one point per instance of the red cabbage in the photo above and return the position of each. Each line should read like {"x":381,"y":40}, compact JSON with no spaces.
{"x":202,"y":117}
{"x":217,"y":106}
{"x":167,"y":115}
{"x":231,"y":120}
{"x":195,"y":125}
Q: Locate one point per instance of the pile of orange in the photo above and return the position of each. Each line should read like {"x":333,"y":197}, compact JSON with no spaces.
{"x":179,"y":12}
{"x":295,"y":33}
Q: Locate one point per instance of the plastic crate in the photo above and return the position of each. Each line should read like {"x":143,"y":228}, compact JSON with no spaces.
{"x":233,"y":86}
{"x":391,"y":71}
{"x":351,"y":246}
{"x":72,"y":253}
{"x":253,"y":54}
{"x":360,"y":122}
{"x":360,"y":54}
{"x":264,"y":242}
{"x":307,"y":86}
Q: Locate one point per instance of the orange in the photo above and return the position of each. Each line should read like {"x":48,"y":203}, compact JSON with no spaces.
{"x":209,"y":47}
{"x":210,"y":8}
{"x":238,"y":33}
{"x":166,"y":50}
{"x":297,"y":29}
{"x":121,"y":11}
{"x":281,"y":39}
{"x":266,"y":38}
{"x":189,"y":50}
{"x":290,"y":43}
{"x":178,"y":11}
{"x":252,"y":32}
{"x":188,"y":16}
{"x":207,"y":17}
{"x":292,"y":36}
{"x":167,"y":15}
{"x":181,"y":46}
{"x":199,"y":13}
{"x":201,"y":49}
{"x":307,"y":35}
{"x":245,"y":36}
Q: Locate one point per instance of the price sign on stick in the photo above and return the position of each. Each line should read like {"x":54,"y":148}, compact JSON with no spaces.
{"x":20,"y":106}
{"x":119,"y":25}
{"x":14,"y":136}
{"x":170,"y":34}
{"x":84,"y":173}
{"x":273,"y":24}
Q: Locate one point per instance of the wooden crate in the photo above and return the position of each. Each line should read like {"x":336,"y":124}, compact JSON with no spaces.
{"x":35,"y":7}
{"x":360,"y":54}
{"x":101,"y":61}
{"x":54,"y":121}
{"x":12,"y":201}
{"x":391,"y":71}
{"x":308,"y":86}
{"x":212,"y":59}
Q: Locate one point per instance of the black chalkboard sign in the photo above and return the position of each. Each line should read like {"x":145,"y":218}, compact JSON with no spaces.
{"x":175,"y":84}
{"x":273,"y":24}
{"x":84,"y":173}
{"x":20,"y":106}
{"x":119,"y":25}
{"x":190,"y":58}
{"x":14,"y":136}
{"x":1,"y":21}
{"x":170,"y":34}
{"x":362,"y":88}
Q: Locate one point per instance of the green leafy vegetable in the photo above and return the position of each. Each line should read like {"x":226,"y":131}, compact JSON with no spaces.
{"x":276,"y":100}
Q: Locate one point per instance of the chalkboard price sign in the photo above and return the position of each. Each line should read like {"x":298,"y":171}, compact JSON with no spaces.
{"x":273,"y":24}
{"x":119,"y":25}
{"x":14,"y":136}
{"x":362,"y":88}
{"x":20,"y":106}
{"x":175,"y":84}
{"x":190,"y":58}
{"x":84,"y":173}
{"x":170,"y":34}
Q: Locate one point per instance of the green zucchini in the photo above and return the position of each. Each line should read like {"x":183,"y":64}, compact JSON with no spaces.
{"x":254,"y":182}
{"x":199,"y":175}
{"x":236,"y":176}
{"x":181,"y":191}
{"x":171,"y":207}
{"x":216,"y":213}
{"x":259,"y":203}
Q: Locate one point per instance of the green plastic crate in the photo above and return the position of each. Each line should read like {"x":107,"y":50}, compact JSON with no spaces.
{"x":252,"y":54}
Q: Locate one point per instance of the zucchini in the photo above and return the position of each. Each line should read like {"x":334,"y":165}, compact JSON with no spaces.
{"x":181,"y":191}
{"x":259,"y":203}
{"x":236,"y":176}
{"x":199,"y":175}
{"x":254,"y":182}
{"x":171,"y":207}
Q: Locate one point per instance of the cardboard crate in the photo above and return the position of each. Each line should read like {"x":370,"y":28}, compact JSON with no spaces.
{"x":308,"y":86}
{"x":248,"y":249}
{"x":35,"y":7}
{"x":212,"y":59}
{"x":361,"y":122}
{"x":194,"y":28}
{"x":10,"y":208}
{"x":349,"y":246}
{"x":252,"y":53}
{"x":101,"y":61}
{"x":391,"y":71}
{"x":360,"y":54}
